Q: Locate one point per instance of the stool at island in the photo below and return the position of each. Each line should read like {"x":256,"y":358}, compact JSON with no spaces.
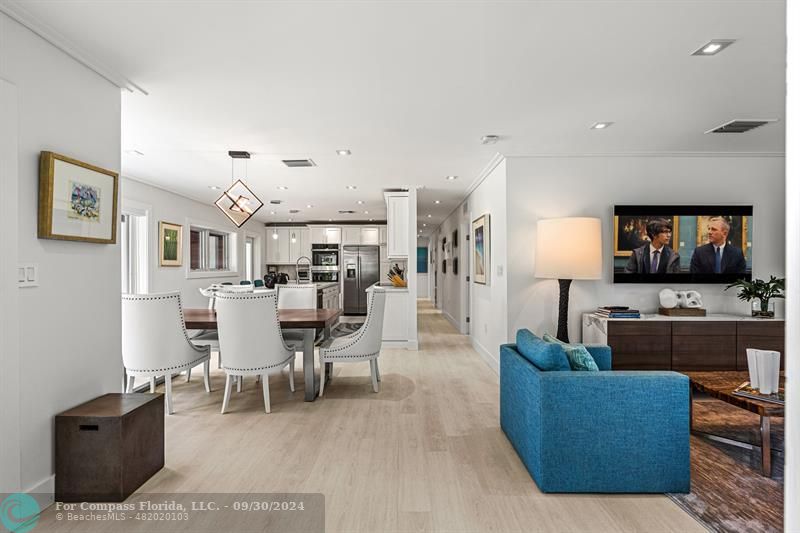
{"x":709,"y":343}
{"x":108,"y":447}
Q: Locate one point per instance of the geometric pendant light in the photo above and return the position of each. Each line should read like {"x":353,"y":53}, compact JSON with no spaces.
{"x":238,"y":203}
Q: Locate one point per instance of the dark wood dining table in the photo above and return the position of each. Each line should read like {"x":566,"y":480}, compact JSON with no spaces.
{"x":308,"y":320}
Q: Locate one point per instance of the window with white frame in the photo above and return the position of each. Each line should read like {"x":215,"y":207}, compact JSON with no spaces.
{"x":211,"y":250}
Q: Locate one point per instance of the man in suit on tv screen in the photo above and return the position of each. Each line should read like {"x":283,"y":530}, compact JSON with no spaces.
{"x":655,"y":257}
{"x":718,"y":256}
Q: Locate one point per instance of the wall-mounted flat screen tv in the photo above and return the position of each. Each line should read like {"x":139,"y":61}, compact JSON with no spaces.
{"x":683,"y":243}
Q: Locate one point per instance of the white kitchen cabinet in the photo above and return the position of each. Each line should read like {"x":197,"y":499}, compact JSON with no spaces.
{"x":299,"y":244}
{"x":333,"y":235}
{"x":326,"y":235}
{"x":351,"y":235}
{"x":395,"y":316}
{"x":382,"y":235}
{"x":397,"y":224}
{"x":278,"y":246}
{"x":369,"y":236}
{"x":317,"y":235}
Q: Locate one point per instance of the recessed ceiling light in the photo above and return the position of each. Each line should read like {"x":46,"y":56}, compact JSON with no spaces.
{"x":343,"y":152}
{"x":283,"y":188}
{"x":360,"y":202}
{"x":371,"y":219}
{"x":272,"y":213}
{"x":429,"y":216}
{"x":451,"y":178}
{"x":366,"y":212}
{"x":330,"y":220}
{"x":437,"y":201}
{"x":351,"y":187}
{"x":214,"y":187}
{"x":600,"y":125}
{"x":309,"y":206}
{"x":713,"y":47}
{"x":291,"y":220}
{"x":424,"y":225}
{"x":490,"y":139}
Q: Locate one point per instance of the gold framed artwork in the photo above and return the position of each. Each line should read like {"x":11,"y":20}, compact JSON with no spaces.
{"x":481,"y":249}
{"x":77,"y":201}
{"x":737,"y":235}
{"x":630,"y":232}
{"x":170,"y":244}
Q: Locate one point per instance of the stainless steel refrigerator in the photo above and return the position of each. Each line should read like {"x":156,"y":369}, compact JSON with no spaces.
{"x":361,"y":268}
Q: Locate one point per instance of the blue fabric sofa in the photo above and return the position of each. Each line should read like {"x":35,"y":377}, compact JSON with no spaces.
{"x":606,"y":432}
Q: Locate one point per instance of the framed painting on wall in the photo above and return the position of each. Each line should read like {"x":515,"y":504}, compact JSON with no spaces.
{"x":77,"y":201}
{"x":481,"y":236}
{"x":170,"y":244}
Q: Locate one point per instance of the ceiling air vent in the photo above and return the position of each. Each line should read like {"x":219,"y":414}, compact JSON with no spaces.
{"x":276,"y":202}
{"x":293,"y":211}
{"x":346,"y":212}
{"x":295,"y":163}
{"x":740,"y":126}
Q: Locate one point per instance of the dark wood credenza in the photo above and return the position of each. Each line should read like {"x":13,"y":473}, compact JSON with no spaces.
{"x":655,"y":342}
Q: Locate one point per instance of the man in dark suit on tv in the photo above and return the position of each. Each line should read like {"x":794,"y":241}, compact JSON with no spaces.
{"x":655,"y":257}
{"x":718,"y":256}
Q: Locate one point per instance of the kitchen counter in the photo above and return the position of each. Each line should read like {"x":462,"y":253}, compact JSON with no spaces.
{"x":391,"y":288}
{"x":319,"y":285}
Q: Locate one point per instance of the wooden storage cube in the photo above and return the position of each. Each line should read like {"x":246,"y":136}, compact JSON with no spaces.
{"x":108,"y":447}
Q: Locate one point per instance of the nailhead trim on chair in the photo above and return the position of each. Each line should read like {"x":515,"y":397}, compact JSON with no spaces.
{"x":326,"y":352}
{"x":250,"y":296}
{"x":180,"y":367}
{"x":177,"y":296}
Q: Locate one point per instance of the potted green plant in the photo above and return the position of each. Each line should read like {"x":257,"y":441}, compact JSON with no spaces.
{"x":763,"y":291}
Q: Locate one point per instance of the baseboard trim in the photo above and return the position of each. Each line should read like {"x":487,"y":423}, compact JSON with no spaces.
{"x":452,"y":320}
{"x":408,"y":345}
{"x":44,"y":492}
{"x":487,"y":356}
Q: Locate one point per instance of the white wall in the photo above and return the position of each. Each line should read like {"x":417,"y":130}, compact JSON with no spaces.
{"x":9,"y":293}
{"x":548,"y":187}
{"x":489,"y":303}
{"x":449,"y":286}
{"x":792,"y":420}
{"x":166,"y":206}
{"x":69,"y":350}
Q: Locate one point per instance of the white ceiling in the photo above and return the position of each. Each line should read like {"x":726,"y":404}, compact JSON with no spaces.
{"x":410,"y":87}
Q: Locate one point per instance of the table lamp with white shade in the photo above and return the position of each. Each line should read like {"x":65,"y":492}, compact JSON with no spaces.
{"x":568,"y":249}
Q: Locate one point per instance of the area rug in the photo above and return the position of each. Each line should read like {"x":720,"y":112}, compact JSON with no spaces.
{"x":728,"y":493}
{"x":343,"y":329}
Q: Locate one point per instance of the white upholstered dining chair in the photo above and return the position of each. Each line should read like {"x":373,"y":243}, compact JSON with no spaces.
{"x":363,"y":345}
{"x":250,"y":335}
{"x":296,"y":297}
{"x":155,"y":342}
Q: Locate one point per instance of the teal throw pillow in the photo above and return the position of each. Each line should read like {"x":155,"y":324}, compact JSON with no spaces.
{"x":544,"y":355}
{"x":578,"y":356}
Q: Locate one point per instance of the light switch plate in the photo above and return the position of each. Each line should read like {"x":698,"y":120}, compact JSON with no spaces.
{"x":27,"y":275}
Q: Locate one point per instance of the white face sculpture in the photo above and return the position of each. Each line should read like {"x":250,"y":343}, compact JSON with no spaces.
{"x":668,"y":298}
{"x":692,"y":299}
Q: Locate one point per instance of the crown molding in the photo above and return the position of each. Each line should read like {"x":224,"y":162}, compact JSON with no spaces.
{"x":15,"y":11}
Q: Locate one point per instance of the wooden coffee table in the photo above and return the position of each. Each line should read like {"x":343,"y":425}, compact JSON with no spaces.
{"x":721,"y":385}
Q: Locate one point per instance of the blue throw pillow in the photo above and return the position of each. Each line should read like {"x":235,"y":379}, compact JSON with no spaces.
{"x":543,"y":355}
{"x":577,"y":354}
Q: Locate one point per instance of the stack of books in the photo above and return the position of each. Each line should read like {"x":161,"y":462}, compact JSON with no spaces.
{"x":617,"y":311}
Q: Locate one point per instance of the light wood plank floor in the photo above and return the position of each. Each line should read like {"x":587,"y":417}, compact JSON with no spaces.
{"x":424,"y":454}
